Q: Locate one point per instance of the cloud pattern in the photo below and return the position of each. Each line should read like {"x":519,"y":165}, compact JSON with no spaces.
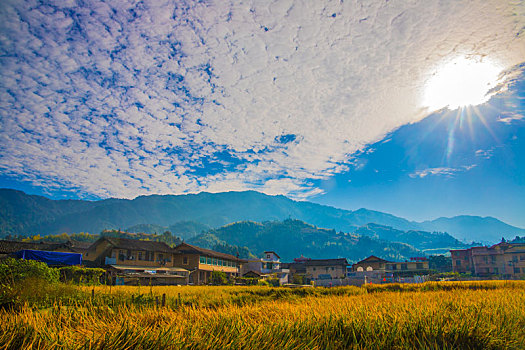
{"x":139,"y":97}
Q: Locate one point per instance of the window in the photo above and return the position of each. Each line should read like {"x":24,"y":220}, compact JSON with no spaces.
{"x":522,"y":257}
{"x":403,"y":266}
{"x":394,"y":267}
{"x":517,"y":270}
{"x":458,"y":262}
{"x":185,"y":260}
{"x":496,"y":270}
{"x":465,"y":258}
{"x":141,"y":257}
{"x":208,"y":260}
{"x":202,"y":259}
{"x":326,"y":269}
{"x":333,"y":268}
{"x":313,"y":268}
{"x":128,"y":255}
{"x":419,"y":266}
{"x":493,"y":258}
{"x":160,"y":257}
{"x":515,"y":258}
{"x":486,"y":259}
{"x":268,"y":256}
{"x":214,"y":261}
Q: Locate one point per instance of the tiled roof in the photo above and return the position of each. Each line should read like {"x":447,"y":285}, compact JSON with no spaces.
{"x":7,"y":247}
{"x":135,"y":244}
{"x":188,"y":248}
{"x":326,"y":262}
{"x":373,"y":258}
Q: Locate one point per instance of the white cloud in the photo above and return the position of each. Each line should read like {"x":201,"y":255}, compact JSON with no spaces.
{"x":508,"y":118}
{"x":441,"y":171}
{"x":121,"y":99}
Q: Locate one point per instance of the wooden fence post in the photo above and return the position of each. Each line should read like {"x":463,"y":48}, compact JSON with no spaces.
{"x":163,"y":299}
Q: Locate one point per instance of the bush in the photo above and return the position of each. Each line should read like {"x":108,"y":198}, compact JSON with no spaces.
{"x":33,"y":282}
{"x":219,"y":278}
{"x":81,"y":275}
{"x":263,"y":283}
{"x":274,"y":282}
{"x":15,"y":270}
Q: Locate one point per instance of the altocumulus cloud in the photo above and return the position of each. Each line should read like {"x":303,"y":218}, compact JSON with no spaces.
{"x":125,"y":98}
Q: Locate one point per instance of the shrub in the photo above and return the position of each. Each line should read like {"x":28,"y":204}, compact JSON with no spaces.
{"x":219,"y":278}
{"x":81,"y":275}
{"x":274,"y":282}
{"x":16,"y":270}
{"x":263,"y":283}
{"x":33,"y":282}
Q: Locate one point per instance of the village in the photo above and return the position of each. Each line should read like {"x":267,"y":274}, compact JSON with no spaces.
{"x":140,"y":262}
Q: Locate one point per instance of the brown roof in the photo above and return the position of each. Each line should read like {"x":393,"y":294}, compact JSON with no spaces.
{"x":188,"y":248}
{"x":135,"y":244}
{"x":7,"y":247}
{"x":274,"y":253}
{"x":372,"y":258}
{"x":326,"y":262}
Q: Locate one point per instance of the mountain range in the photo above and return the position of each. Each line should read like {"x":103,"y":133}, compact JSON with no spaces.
{"x":23,"y":214}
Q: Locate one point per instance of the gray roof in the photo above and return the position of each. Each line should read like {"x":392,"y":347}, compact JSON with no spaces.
{"x":135,"y":244}
{"x":326,"y":262}
{"x":7,"y":247}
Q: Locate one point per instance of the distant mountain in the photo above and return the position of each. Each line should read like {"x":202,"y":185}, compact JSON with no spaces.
{"x":188,"y":215}
{"x":291,"y":238}
{"x":183,"y":229}
{"x":34,"y":214}
{"x":468,"y":228}
{"x":429,"y":242}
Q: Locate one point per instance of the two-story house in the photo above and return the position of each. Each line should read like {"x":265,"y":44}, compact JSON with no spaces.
{"x":202,"y":262}
{"x":269,"y":266}
{"x":147,"y":261}
{"x":503,"y":259}
{"x":326,"y":269}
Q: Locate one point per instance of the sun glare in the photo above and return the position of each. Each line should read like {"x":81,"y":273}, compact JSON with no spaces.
{"x":461,"y":82}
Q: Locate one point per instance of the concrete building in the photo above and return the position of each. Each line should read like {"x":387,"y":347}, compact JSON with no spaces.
{"x":267,"y":267}
{"x":506,"y":260}
{"x":325,"y":269}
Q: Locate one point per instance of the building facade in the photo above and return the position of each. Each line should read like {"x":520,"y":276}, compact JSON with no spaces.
{"x":202,"y":262}
{"x":506,"y":260}
{"x":325,"y":269}
{"x":388,"y":271}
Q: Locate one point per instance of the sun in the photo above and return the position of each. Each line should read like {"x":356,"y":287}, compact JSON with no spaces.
{"x":461,"y":82}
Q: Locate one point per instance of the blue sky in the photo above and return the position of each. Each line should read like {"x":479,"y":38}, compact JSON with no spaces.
{"x":324,"y":101}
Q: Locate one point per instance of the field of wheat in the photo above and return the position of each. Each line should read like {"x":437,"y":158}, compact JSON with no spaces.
{"x":445,"y":315}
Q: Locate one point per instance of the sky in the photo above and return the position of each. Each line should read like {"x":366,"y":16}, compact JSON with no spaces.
{"x":345,"y":103}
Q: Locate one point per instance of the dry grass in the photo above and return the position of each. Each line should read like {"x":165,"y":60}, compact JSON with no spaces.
{"x":469,"y":315}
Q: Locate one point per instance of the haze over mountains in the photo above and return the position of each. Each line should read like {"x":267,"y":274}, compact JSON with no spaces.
{"x":22,"y":214}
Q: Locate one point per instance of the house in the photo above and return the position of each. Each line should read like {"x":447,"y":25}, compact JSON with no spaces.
{"x":267,"y":267}
{"x":202,"y":262}
{"x":132,"y":261}
{"x":372,"y":263}
{"x":416,"y":266}
{"x":376,"y":270}
{"x":506,"y":260}
{"x":129,"y":252}
{"x":325,"y":269}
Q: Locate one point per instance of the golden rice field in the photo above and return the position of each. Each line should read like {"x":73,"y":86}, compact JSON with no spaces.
{"x":434,"y":315}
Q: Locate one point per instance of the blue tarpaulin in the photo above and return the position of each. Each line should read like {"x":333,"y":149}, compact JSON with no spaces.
{"x":50,"y":258}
